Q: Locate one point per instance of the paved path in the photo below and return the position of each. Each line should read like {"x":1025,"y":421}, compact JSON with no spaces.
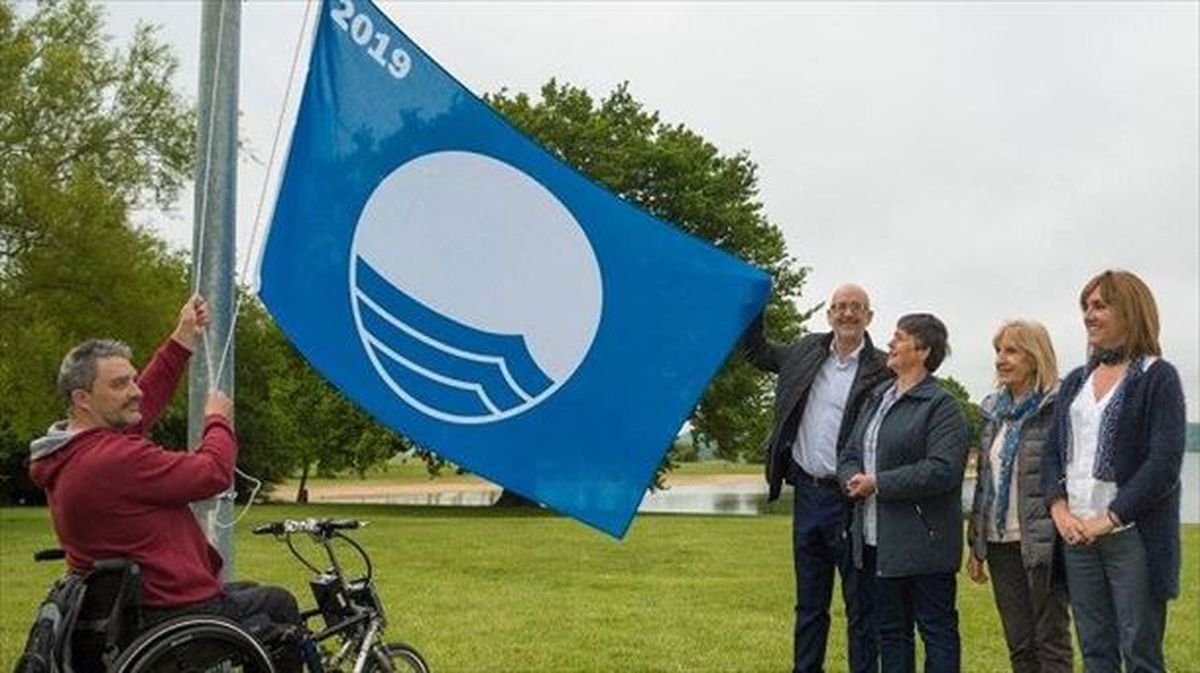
{"x":350,"y":490}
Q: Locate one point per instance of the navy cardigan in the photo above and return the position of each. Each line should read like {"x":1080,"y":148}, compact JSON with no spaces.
{"x":1151,"y":432}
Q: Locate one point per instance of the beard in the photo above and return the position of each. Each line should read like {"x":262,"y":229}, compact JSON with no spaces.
{"x":124,"y":417}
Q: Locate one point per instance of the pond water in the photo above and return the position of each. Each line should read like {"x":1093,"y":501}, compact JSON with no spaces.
{"x":736,"y":499}
{"x":752,"y":499}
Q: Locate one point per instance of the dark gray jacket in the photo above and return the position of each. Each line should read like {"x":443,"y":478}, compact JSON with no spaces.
{"x":1038,"y":535}
{"x":920,"y":456}
{"x":797,"y":365}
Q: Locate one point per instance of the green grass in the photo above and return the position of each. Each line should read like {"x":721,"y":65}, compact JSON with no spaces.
{"x":393,"y":473}
{"x":718,"y":467}
{"x":480,"y":590}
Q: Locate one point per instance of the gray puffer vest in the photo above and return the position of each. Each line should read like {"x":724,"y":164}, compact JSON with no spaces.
{"x":1038,"y":535}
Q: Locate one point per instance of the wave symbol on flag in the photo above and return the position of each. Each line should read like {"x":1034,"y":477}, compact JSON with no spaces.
{"x":476,"y":294}
{"x":440,"y":365}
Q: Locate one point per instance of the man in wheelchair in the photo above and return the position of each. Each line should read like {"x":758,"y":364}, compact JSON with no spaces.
{"x":113,"y":493}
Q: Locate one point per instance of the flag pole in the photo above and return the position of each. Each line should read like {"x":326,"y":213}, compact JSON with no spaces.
{"x":214,"y":236}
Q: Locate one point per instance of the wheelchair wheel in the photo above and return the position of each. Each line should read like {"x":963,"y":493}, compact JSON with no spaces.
{"x":195,"y":644}
{"x":396,"y":658}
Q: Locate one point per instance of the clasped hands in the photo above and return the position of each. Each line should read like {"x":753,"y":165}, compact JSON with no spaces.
{"x":860,"y":485}
{"x":1076,"y":531}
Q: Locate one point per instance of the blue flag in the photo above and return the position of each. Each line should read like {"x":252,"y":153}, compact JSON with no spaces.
{"x":478,"y":295}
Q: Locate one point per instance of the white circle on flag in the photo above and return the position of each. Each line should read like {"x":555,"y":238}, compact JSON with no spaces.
{"x":475,"y":291}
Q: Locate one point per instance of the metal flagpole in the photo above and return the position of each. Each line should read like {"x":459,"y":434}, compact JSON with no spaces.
{"x":214,"y":236}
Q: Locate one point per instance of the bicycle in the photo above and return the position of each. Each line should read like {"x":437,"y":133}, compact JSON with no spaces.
{"x":91,"y":622}
{"x":350,"y":608}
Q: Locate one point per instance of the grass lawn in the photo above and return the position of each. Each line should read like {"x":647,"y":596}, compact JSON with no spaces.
{"x":717,"y":467}
{"x":397,"y":471}
{"x":479,"y":590}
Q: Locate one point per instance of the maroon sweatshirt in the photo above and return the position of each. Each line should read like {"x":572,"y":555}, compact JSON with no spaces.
{"x":115,"y":493}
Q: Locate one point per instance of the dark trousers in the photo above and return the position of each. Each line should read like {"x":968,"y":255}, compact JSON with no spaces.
{"x":1115,"y":615}
{"x":820,"y":547}
{"x":928,"y":602}
{"x":268,"y":613}
{"x":1033,"y":609}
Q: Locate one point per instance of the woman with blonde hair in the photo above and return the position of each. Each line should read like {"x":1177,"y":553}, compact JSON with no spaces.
{"x":1010,"y":528}
{"x":1111,"y":477}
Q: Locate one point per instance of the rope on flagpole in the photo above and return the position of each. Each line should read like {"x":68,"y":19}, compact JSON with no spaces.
{"x":258,"y":221}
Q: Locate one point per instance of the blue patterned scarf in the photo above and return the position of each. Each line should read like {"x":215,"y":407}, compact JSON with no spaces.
{"x":1015,"y":414}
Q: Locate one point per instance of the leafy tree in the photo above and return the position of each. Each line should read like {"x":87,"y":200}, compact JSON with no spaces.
{"x":970,"y":409}
{"x":328,"y":432}
{"x":264,"y":427}
{"x":86,"y":134}
{"x":677,"y":175}
{"x":293,"y":418}
{"x":75,"y":115}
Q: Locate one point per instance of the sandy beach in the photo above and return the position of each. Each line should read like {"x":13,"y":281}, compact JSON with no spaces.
{"x":348,"y":490}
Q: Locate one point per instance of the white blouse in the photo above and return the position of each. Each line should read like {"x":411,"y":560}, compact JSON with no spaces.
{"x":1012,"y":526}
{"x":1087,"y":496}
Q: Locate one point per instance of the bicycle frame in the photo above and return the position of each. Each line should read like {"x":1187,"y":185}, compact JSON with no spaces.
{"x":351,"y":609}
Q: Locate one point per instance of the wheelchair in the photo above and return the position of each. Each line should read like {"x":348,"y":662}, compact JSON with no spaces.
{"x":91,"y":623}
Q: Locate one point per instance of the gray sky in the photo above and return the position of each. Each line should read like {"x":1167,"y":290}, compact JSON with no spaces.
{"x":979,"y":161}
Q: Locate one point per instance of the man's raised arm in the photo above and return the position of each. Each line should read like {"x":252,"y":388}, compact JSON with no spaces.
{"x":161,"y":375}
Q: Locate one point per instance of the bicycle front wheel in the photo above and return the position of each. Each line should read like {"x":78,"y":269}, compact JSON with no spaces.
{"x":396,"y":658}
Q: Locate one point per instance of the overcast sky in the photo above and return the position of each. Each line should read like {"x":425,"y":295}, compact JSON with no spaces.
{"x":978,"y":161}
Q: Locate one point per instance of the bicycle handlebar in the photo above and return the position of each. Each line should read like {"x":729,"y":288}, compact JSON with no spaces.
{"x":321,"y":527}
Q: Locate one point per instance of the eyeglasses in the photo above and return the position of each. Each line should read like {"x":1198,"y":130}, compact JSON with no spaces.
{"x":847,"y":307}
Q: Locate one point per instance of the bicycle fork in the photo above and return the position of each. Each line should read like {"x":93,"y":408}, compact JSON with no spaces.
{"x":369,"y":641}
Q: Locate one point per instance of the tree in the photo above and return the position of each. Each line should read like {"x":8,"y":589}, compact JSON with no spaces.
{"x":970,"y":410}
{"x":293,"y":418}
{"x":86,"y":135}
{"x":678,"y":176}
{"x":327,"y":431}
{"x":265,"y":428}
{"x":75,"y":115}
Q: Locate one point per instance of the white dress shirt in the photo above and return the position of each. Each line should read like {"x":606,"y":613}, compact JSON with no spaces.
{"x":815,"y":448}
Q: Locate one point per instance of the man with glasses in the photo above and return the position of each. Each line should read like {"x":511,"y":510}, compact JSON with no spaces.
{"x":822,"y":381}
